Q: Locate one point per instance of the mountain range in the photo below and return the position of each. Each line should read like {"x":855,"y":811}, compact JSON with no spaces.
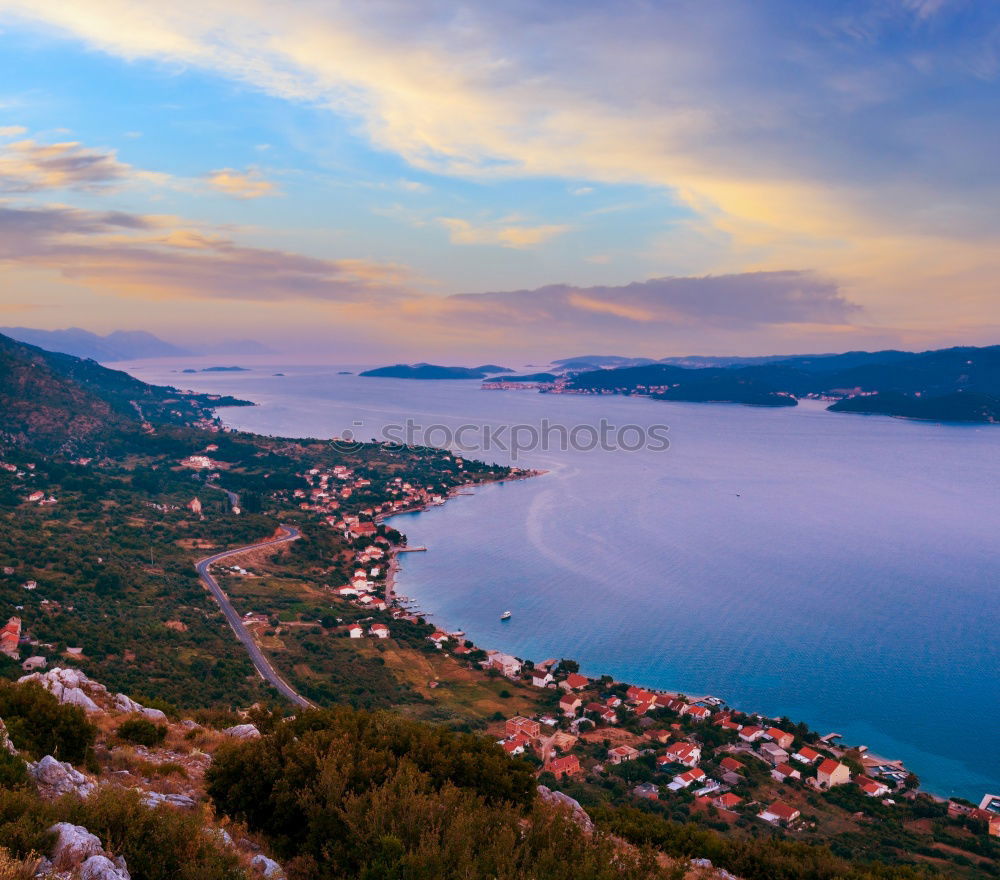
{"x":121,"y":345}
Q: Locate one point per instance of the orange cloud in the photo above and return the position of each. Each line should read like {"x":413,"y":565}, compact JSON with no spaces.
{"x":510,"y":235}
{"x":242,"y":184}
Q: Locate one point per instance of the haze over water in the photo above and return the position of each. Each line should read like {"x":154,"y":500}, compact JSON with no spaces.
{"x":837,"y":569}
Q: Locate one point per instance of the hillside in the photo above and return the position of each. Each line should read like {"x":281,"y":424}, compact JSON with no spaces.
{"x":433,"y":371}
{"x":57,"y":401}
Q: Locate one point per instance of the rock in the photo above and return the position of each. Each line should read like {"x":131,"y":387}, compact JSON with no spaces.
{"x":76,"y":697}
{"x":155,"y":799}
{"x":74,"y":845}
{"x":56,"y":778}
{"x":122,"y":703}
{"x":5,"y":744}
{"x":267,"y":868}
{"x":68,"y":686}
{"x":557,"y":798}
{"x":102,"y":868}
{"x":243,"y":731}
{"x":221,"y":835}
{"x":188,"y":724}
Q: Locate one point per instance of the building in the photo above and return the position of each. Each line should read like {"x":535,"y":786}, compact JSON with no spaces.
{"x":356,"y":632}
{"x":570,"y":705}
{"x":784,"y":772}
{"x":727,"y":801}
{"x":781,"y":737}
{"x":518,"y":724}
{"x":10,"y":638}
{"x":806,"y":755}
{"x":831,"y":773}
{"x":683,"y":780}
{"x":621,"y":754}
{"x":780,"y":813}
{"x":508,"y":665}
{"x":541,"y":678}
{"x":380,"y":631}
{"x":606,"y":714}
{"x":773,"y":753}
{"x":872,"y":787}
{"x":194,"y":505}
{"x":751,"y":734}
{"x":731,"y":765}
{"x":697,"y":713}
{"x":568,"y":765}
{"x":648,"y":790}
{"x":575,"y":682}
{"x":684,"y":753}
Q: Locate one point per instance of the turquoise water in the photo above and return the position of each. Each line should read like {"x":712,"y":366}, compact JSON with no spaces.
{"x":838,"y":569}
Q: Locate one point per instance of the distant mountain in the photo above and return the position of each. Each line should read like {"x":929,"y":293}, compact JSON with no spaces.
{"x":727,"y":388}
{"x":531,"y":377}
{"x":600,"y":361}
{"x":50,"y":400}
{"x":122,"y":345}
{"x":433,"y":371}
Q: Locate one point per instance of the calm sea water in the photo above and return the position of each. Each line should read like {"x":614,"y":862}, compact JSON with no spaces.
{"x":841,"y":570}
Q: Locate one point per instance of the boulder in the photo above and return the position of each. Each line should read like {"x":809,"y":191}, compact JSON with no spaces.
{"x":102,"y":868}
{"x":68,"y":686}
{"x":267,"y":868}
{"x":243,"y":731}
{"x":122,"y":703}
{"x":74,"y":845}
{"x":57,"y":778}
{"x":577,"y":813}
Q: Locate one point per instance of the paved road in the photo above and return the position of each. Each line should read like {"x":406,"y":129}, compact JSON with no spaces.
{"x":262,"y":664}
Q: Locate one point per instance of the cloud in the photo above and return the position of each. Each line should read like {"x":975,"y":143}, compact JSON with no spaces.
{"x":248,"y":184}
{"x":745,"y":300}
{"x":155,"y":257}
{"x":28,"y":166}
{"x":9,"y":131}
{"x":502,"y":233}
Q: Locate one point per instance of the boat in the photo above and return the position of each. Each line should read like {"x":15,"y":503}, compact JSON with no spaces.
{"x":505,"y":616}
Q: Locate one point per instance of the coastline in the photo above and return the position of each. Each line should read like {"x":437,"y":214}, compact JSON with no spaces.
{"x":832,"y":741}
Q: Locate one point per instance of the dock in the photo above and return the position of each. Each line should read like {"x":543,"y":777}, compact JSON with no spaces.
{"x":411,"y":550}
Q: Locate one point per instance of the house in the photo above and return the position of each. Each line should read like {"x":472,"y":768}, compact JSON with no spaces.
{"x":509,"y":665}
{"x":525,"y":726}
{"x":570,"y":705}
{"x":780,"y":813}
{"x":831,"y":773}
{"x":731,"y":764}
{"x":872,"y":787}
{"x":541,"y":678}
{"x":575,"y":682}
{"x":620,"y":754}
{"x":683,"y":780}
{"x":34,"y":663}
{"x":380,"y":631}
{"x":684,"y":753}
{"x":10,"y":638}
{"x":648,"y":790}
{"x":729,"y":724}
{"x":773,"y":753}
{"x":439,"y":638}
{"x":356,"y":632}
{"x":751,"y":734}
{"x":784,"y":772}
{"x":661,"y":736}
{"x":806,"y":755}
{"x":727,"y":801}
{"x":781,"y":737}
{"x":608,"y":716}
{"x":697,"y":713}
{"x":194,"y":505}
{"x":513,"y":747}
{"x":639,"y":695}
{"x":568,"y":765}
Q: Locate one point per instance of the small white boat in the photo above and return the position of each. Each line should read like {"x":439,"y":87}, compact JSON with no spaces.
{"x":505,"y":616}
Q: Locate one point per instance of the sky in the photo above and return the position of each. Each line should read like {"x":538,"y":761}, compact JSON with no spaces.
{"x":467,"y":181}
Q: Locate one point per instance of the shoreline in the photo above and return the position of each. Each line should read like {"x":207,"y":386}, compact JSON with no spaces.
{"x":832,"y":741}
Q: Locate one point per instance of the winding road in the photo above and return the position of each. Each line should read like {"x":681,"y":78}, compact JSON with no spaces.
{"x":260,"y":662}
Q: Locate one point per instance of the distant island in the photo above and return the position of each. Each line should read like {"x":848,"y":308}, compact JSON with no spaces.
{"x":959,"y":384}
{"x":225,"y":370}
{"x":434,"y":371}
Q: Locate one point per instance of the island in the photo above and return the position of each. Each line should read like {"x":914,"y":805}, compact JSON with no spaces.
{"x":433,"y":371}
{"x":957,"y":407}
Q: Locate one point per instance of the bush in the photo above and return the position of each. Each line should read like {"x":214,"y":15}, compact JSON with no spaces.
{"x":40,"y":725}
{"x":141,"y":731}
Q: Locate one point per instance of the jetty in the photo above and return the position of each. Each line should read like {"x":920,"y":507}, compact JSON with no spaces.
{"x":411,"y":549}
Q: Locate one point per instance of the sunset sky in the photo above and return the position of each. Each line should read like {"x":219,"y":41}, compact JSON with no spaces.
{"x":462,"y":181}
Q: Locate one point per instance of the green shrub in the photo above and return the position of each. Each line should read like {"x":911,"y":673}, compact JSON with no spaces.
{"x":40,"y":725}
{"x":141,"y":731}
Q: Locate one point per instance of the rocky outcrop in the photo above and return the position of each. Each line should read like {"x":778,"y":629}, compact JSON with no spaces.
{"x":80,"y":853}
{"x":122,"y":703}
{"x":564,"y":801}
{"x":5,"y":744}
{"x":69,"y":686}
{"x":267,"y":868}
{"x":102,"y":868}
{"x":156,"y":799}
{"x":243,"y":731}
{"x":57,"y":778}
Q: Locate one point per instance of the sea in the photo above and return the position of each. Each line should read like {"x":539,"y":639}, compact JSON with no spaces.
{"x":837,"y":569}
